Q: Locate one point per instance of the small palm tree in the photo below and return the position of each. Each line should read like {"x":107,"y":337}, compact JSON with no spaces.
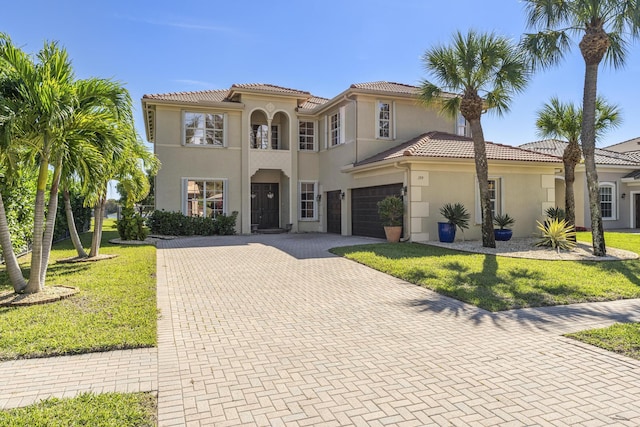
{"x":557,"y":119}
{"x":484,"y":71}
{"x":604,"y":26}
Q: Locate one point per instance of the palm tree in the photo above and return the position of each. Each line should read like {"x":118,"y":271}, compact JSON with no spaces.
{"x":61,"y":117}
{"x":564,"y":120}
{"x":127,"y":166}
{"x":484,"y":71}
{"x":603,"y":27}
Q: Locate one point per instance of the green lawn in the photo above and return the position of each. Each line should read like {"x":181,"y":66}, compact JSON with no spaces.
{"x":115,"y":308}
{"x":499,"y":283}
{"x":623,"y":338}
{"x":103,"y":410}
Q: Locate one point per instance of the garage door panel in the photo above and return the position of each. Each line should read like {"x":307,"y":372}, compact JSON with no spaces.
{"x":364,"y":209}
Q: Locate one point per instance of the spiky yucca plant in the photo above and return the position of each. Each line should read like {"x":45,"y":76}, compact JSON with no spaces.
{"x":557,"y":234}
{"x":457,"y":215}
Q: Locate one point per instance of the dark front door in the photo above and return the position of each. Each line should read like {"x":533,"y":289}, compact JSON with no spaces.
{"x":365,"y":220}
{"x":265,"y":205}
{"x":636,"y":198}
{"x":334,"y":212}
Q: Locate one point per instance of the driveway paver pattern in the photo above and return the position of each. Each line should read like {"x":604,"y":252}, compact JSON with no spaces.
{"x":274,"y":330}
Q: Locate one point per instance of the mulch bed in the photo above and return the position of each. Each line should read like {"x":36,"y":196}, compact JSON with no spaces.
{"x":48,"y":294}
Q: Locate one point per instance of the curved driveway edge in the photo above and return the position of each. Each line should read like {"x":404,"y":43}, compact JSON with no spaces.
{"x":274,"y":330}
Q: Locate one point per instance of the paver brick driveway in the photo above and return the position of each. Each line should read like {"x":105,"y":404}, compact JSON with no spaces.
{"x":274,"y":330}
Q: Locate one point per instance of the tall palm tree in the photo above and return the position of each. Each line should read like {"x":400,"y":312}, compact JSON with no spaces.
{"x":604,"y":28}
{"x":64,"y":116}
{"x":484,"y":70}
{"x":564,"y":120}
{"x":128,"y":166}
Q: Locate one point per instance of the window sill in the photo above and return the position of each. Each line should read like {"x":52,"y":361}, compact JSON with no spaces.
{"x":204,"y":145}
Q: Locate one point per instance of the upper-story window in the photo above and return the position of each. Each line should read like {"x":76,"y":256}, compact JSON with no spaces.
{"x":306,"y":131}
{"x":384,"y":120}
{"x":260,"y":136}
{"x":275,"y":137}
{"x":335,"y":129}
{"x":462,"y":126}
{"x":607,"y":192}
{"x":204,"y":129}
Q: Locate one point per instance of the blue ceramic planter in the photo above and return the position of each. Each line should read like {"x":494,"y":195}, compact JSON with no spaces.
{"x":503,"y":235}
{"x":446,"y":232}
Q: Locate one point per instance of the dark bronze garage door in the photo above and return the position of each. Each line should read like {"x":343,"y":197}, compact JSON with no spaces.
{"x":364,"y":210}
{"x":334,"y":212}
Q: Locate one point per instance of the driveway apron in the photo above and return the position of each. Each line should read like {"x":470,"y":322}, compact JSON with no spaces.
{"x":274,"y":330}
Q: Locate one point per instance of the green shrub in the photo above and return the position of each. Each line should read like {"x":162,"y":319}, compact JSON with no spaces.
{"x":557,"y":234}
{"x":555,"y":213}
{"x":176,"y":224}
{"x":391,"y":211}
{"x":503,"y":220}
{"x":226,"y":224}
{"x":131,"y":226}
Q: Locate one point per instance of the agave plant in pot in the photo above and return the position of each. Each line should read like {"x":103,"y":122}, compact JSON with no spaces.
{"x":391,"y":212}
{"x":457,"y":216}
{"x":503,"y":221}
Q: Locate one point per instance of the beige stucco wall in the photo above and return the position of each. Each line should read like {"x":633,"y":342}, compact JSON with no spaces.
{"x":526,"y":193}
{"x":179,"y":162}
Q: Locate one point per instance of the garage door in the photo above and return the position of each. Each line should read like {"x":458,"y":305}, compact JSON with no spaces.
{"x":364,"y":210}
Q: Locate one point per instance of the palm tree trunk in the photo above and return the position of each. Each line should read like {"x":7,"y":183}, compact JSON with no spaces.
{"x":73,"y":230}
{"x":34,"y":285}
{"x":98,"y":214}
{"x":482,"y":172}
{"x":52,"y":211}
{"x":588,"y":138}
{"x":10,"y":260}
{"x":570,"y":158}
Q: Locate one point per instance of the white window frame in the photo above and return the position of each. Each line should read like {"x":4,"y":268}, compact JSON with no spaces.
{"x":306,"y":136}
{"x":462,"y":126}
{"x":185,"y":127}
{"x":337,"y":134}
{"x":185,"y":190}
{"x":314,"y":200}
{"x":498,"y":200}
{"x":614,"y":199}
{"x":389,"y":120}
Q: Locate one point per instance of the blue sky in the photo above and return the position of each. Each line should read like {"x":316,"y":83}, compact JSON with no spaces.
{"x":321,"y":47}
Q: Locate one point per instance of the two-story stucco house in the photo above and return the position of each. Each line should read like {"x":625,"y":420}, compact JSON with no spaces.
{"x":619,"y":178}
{"x":285,"y":158}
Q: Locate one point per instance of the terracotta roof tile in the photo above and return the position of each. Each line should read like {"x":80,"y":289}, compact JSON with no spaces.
{"x":200,"y":96}
{"x":269,"y":88}
{"x":313,"y":102}
{"x":636,"y":140}
{"x":556,"y":147}
{"x":446,"y":145}
{"x":383,"y":86}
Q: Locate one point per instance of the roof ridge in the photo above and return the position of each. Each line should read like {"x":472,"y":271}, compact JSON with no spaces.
{"x":184,"y":92}
{"x":250,"y":85}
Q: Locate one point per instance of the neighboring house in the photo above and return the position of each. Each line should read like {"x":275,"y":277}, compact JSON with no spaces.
{"x":284,"y":157}
{"x":619,"y":177}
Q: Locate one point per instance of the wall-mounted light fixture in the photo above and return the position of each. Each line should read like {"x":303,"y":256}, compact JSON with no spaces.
{"x":623,"y":195}
{"x":342,"y":196}
{"x":403,"y":191}
{"x":319,"y":197}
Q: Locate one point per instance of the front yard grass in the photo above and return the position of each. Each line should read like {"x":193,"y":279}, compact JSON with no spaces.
{"x":499,"y":283}
{"x":115,"y":308}
{"x":102,"y":410}
{"x":622,"y":338}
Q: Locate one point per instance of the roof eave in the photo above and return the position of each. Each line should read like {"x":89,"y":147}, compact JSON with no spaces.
{"x":212,"y":104}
